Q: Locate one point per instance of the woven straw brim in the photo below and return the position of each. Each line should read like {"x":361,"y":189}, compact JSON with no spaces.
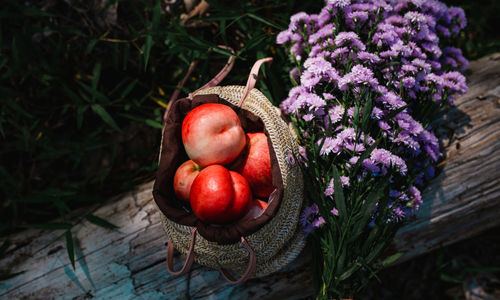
{"x":279,"y":241}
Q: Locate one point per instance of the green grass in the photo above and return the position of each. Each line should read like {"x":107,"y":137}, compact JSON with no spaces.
{"x":82,"y":100}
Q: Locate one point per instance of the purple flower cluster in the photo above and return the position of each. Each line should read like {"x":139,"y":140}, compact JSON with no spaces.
{"x":386,"y":53}
{"x":311,"y":219}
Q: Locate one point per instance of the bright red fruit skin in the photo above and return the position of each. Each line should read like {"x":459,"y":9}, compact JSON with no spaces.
{"x":183,"y":179}
{"x":255,"y":165}
{"x":255,"y":208}
{"x":219,"y":196}
{"x":212,"y":134}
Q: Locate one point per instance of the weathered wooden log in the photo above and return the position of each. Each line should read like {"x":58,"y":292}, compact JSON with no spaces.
{"x":130,"y":262}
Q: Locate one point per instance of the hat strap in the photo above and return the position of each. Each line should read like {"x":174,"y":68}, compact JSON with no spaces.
{"x":252,"y":78}
{"x":189,"y":259}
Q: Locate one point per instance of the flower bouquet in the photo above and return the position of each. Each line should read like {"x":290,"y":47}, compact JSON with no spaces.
{"x":371,"y":78}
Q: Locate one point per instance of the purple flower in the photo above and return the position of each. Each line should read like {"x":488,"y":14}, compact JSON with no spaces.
{"x":298,"y":18}
{"x":387,"y":159}
{"x":457,"y":14}
{"x":421,"y":64}
{"x":310,"y":79}
{"x":330,"y":145}
{"x":370,"y":165}
{"x":339,"y":3}
{"x":385,"y":35}
{"x":359,"y":75}
{"x":328,"y":96}
{"x":336,"y":113}
{"x":431,"y":144}
{"x":344,"y":181}
{"x":318,"y":65}
{"x":324,"y":32}
{"x":455,"y":81}
{"x":283,"y":37}
{"x":325,"y":16}
{"x":310,"y":218}
{"x":390,"y":53}
{"x":335,"y":212}
{"x":308,"y":117}
{"x":351,"y":39}
{"x":377,"y":113}
{"x":314,"y":101}
{"x":416,"y":197}
{"x":391,"y":101}
{"x":398,"y":214}
{"x":352,"y":161}
{"x":288,"y":105}
{"x":356,"y":17}
{"x":369,"y":57}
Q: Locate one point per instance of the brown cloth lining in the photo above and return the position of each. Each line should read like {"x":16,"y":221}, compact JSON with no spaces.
{"x":173,"y":155}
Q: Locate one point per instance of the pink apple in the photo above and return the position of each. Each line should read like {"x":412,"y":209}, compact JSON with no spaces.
{"x":184,"y":177}
{"x":212,"y":134}
{"x":255,"y":165}
{"x":255,"y":209}
{"x":219,"y":196}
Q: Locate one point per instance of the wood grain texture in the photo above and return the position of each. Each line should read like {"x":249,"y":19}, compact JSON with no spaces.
{"x":129,"y":263}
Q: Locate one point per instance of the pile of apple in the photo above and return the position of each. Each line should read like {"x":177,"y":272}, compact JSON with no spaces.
{"x":228,"y":171}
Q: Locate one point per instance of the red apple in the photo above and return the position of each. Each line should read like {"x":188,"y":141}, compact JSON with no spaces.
{"x":219,"y":196}
{"x":184,"y":177}
{"x":255,"y":208}
{"x":212,"y":134}
{"x":255,"y":165}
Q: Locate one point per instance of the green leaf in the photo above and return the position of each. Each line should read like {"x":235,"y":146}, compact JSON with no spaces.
{"x":366,"y":114}
{"x":98,"y":109}
{"x":15,"y":106}
{"x":70,"y":93}
{"x":126,"y":55}
{"x":156,"y":16}
{"x":154,"y":124}
{"x":62,"y":208}
{"x":349,"y":271}
{"x":70,"y":248}
{"x":363,"y":157}
{"x":79,"y":115}
{"x":222,"y":31}
{"x":254,"y":42}
{"x":392,"y":259}
{"x":450,"y":278}
{"x":262,"y":20}
{"x":100,"y":222}
{"x":96,"y":74}
{"x":366,"y":211}
{"x":95,"y":93}
{"x":374,"y":252}
{"x":147,"y":49}
{"x":371,"y":201}
{"x":339,"y":193}
{"x":91,"y":45}
{"x":393,"y":113}
{"x":128,"y":89}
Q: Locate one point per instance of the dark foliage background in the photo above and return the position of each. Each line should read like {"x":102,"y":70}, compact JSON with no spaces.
{"x":83,"y":87}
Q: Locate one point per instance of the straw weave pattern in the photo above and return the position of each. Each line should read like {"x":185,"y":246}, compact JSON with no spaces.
{"x":279,"y":241}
